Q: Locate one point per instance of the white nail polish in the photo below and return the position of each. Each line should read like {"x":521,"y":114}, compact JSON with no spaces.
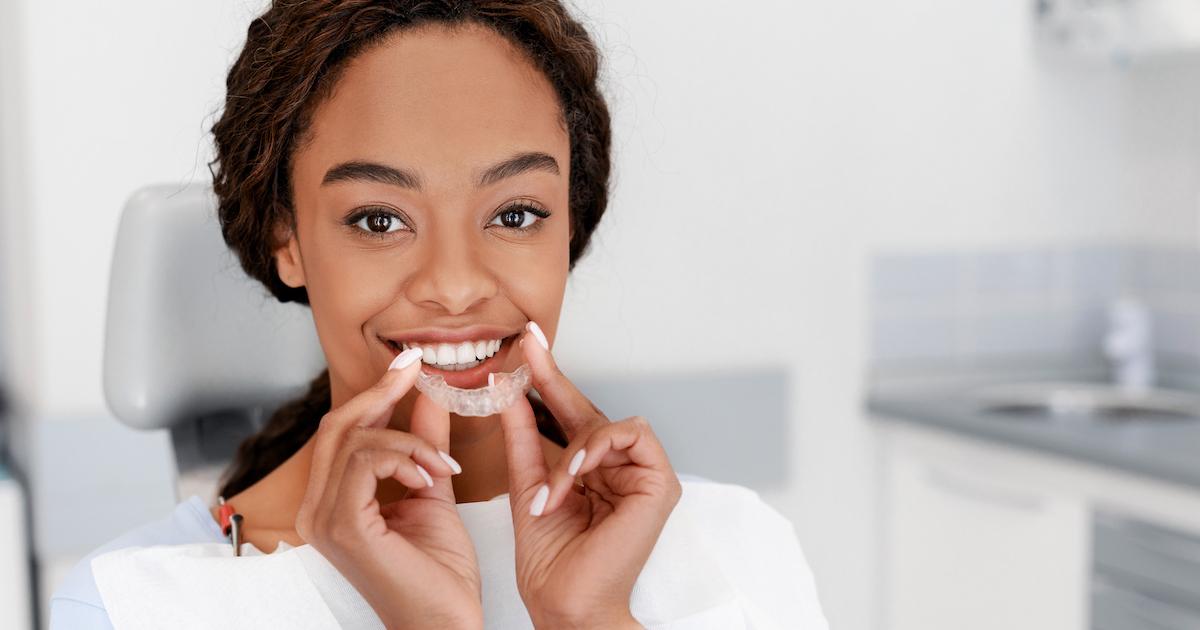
{"x":576,"y":462}
{"x":539,"y":500}
{"x":450,"y":462}
{"x":491,"y":379}
{"x":405,"y":359}
{"x":537,"y":333}
{"x":425,"y":475}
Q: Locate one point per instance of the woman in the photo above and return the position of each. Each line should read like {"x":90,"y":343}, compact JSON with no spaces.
{"x":424,"y":175}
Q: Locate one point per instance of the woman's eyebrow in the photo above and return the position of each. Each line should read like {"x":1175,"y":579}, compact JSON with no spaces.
{"x":358,"y":170}
{"x":517,"y":164}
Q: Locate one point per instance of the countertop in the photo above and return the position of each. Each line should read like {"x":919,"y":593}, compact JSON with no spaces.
{"x":1167,"y":450}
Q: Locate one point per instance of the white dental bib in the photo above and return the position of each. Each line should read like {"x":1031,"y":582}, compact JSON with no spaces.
{"x":724,"y":560}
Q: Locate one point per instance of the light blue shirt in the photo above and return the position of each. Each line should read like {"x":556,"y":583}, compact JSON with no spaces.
{"x":76,"y":605}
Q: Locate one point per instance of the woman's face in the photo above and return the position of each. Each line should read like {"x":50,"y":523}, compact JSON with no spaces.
{"x":416,"y":200}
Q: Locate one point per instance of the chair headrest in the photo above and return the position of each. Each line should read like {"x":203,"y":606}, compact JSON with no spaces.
{"x":188,"y":333}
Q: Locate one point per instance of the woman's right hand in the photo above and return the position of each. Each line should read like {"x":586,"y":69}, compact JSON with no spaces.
{"x":412,"y":560}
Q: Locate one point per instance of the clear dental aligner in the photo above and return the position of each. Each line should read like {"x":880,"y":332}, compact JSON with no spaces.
{"x":502,"y":390}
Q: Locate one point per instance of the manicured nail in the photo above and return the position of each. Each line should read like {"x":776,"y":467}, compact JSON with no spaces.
{"x":539,"y":500}
{"x":576,"y":462}
{"x":450,"y":462}
{"x":405,"y":359}
{"x":537,"y":332}
{"x":425,"y":474}
{"x":491,"y":379}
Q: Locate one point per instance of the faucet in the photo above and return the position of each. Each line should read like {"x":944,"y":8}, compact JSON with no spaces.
{"x":1128,"y":344}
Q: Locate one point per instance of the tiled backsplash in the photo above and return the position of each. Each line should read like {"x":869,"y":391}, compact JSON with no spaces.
{"x":1029,"y":303}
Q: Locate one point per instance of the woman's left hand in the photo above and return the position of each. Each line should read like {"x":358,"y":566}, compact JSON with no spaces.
{"x":579,"y":549}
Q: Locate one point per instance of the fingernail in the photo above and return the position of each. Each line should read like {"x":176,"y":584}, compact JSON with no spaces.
{"x":537,"y":332}
{"x":450,"y":462}
{"x":425,"y":475}
{"x":405,"y":359}
{"x":539,"y":500}
{"x":576,"y":462}
{"x":491,"y":379}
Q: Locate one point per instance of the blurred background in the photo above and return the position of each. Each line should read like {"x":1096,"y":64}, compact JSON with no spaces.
{"x":923,"y":274}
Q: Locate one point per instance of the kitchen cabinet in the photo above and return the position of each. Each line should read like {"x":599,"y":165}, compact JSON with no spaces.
{"x":980,"y":534}
{"x":970,"y":544}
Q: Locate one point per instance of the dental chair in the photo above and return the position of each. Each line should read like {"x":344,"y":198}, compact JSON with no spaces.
{"x":195,"y":346}
{"x":192,"y":344}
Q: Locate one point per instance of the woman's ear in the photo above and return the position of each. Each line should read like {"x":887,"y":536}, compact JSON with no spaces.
{"x":288,"y":263}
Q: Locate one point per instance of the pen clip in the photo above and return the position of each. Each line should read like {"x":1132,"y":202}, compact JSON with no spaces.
{"x":231,"y":525}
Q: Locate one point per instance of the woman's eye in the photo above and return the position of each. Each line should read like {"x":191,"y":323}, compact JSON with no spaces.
{"x":520,"y":217}
{"x":377,"y":223}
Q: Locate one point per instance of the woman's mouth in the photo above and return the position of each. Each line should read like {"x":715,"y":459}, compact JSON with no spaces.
{"x":465,"y":364}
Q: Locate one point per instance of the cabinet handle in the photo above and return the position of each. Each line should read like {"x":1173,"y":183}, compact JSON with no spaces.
{"x":983,"y":494}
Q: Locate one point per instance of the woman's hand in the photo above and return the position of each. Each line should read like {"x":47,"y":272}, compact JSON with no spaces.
{"x":412,"y":559}
{"x":580,"y":549}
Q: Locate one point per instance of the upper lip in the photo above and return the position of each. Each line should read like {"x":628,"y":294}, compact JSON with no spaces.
{"x":448,"y":335}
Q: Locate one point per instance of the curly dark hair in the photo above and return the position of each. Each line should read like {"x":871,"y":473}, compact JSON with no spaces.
{"x":293,"y":56}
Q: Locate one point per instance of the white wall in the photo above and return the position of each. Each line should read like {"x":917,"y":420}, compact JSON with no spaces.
{"x":14,"y":254}
{"x":781,"y":144}
{"x":115,"y":99}
{"x":763,"y":152}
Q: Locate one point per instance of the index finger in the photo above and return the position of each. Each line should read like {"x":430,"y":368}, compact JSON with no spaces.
{"x":574,"y":411}
{"x":371,"y":408}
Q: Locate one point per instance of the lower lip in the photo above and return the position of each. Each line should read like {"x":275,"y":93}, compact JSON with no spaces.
{"x":471,"y":378}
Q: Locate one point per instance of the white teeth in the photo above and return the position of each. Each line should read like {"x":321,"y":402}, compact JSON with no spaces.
{"x":458,"y":356}
{"x":457,"y":367}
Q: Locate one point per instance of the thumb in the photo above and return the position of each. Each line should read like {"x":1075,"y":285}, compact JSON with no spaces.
{"x":432,"y":424}
{"x":523,"y":450}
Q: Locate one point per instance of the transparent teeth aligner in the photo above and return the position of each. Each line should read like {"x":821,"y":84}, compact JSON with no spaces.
{"x":484,"y":401}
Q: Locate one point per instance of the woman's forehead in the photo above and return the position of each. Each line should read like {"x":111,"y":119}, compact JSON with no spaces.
{"x":437,"y":97}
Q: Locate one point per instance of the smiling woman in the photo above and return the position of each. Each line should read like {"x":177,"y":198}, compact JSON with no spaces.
{"x":424,"y":175}
{"x":472,"y":164}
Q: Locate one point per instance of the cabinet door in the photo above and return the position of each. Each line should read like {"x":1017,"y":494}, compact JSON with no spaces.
{"x":966,"y":549}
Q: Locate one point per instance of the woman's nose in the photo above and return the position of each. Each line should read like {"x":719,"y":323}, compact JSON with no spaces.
{"x":452,"y":275}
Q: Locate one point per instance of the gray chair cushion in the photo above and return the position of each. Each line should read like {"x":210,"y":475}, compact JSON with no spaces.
{"x":188,"y":334}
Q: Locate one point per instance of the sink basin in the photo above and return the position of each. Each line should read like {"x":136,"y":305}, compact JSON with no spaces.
{"x":1087,"y":402}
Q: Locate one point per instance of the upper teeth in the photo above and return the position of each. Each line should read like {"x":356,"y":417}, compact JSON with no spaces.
{"x":455,"y":353}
